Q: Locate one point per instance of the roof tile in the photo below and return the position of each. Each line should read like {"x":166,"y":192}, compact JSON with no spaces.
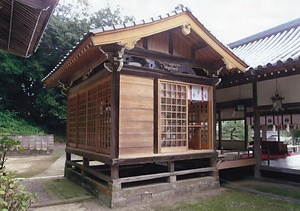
{"x":273,"y":47}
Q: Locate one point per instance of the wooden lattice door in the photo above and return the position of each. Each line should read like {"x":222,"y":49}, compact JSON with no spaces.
{"x":173,"y":117}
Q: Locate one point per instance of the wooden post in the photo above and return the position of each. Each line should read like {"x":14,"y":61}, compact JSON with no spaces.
{"x":256,"y":117}
{"x":246,"y":128}
{"x":68,"y":158}
{"x":171,"y":169}
{"x":115,"y":174}
{"x":155,"y":124}
{"x":220,"y":131}
{"x":214,"y":116}
{"x":86,"y":164}
{"x":115,"y":114}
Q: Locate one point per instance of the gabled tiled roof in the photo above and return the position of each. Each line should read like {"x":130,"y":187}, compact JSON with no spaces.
{"x":276,"y":46}
{"x":112,"y":28}
{"x":90,"y":42}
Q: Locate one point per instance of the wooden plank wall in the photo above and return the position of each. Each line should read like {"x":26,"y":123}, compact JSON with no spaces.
{"x":136,"y":115}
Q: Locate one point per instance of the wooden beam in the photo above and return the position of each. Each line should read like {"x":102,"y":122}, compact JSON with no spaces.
{"x":162,"y":74}
{"x":95,"y":173}
{"x":144,"y":53}
{"x":236,"y":163}
{"x":230,"y":104}
{"x":163,"y":158}
{"x":91,"y":155}
{"x":236,"y":79}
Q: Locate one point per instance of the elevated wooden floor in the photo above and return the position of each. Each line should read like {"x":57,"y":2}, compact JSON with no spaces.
{"x":235,"y":160}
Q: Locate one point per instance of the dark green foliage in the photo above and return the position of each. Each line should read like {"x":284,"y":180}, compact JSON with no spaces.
{"x":11,"y":123}
{"x":21,"y":89}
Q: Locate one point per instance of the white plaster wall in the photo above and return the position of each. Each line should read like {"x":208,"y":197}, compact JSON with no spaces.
{"x":289,"y":88}
{"x":231,"y":114}
{"x":234,"y":93}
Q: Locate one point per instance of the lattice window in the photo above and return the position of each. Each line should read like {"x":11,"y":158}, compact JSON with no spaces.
{"x":173,"y":116}
{"x":72,"y":120}
{"x":81,"y":116}
{"x":104,"y":115}
{"x":91,"y":118}
{"x":89,"y":115}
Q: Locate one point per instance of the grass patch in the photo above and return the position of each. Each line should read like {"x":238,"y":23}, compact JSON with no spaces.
{"x":233,"y":200}
{"x":290,"y":191}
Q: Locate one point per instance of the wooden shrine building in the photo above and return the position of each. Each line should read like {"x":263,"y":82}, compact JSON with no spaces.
{"x":141,"y":108}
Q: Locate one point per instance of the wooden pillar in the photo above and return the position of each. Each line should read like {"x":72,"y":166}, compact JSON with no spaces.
{"x":115,"y":114}
{"x":220,"y":131}
{"x":214,"y":116}
{"x":155,"y":124}
{"x":68,"y":158}
{"x":278,"y":133}
{"x":256,"y":118}
{"x":246,"y":128}
{"x":114,"y":172}
{"x":264,"y":132}
{"x":86,"y":164}
{"x":171,"y":169}
{"x":114,"y":175}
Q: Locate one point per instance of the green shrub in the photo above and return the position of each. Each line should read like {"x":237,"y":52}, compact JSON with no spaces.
{"x":13,"y":196}
{"x":6,"y":143}
{"x":12,"y":124}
